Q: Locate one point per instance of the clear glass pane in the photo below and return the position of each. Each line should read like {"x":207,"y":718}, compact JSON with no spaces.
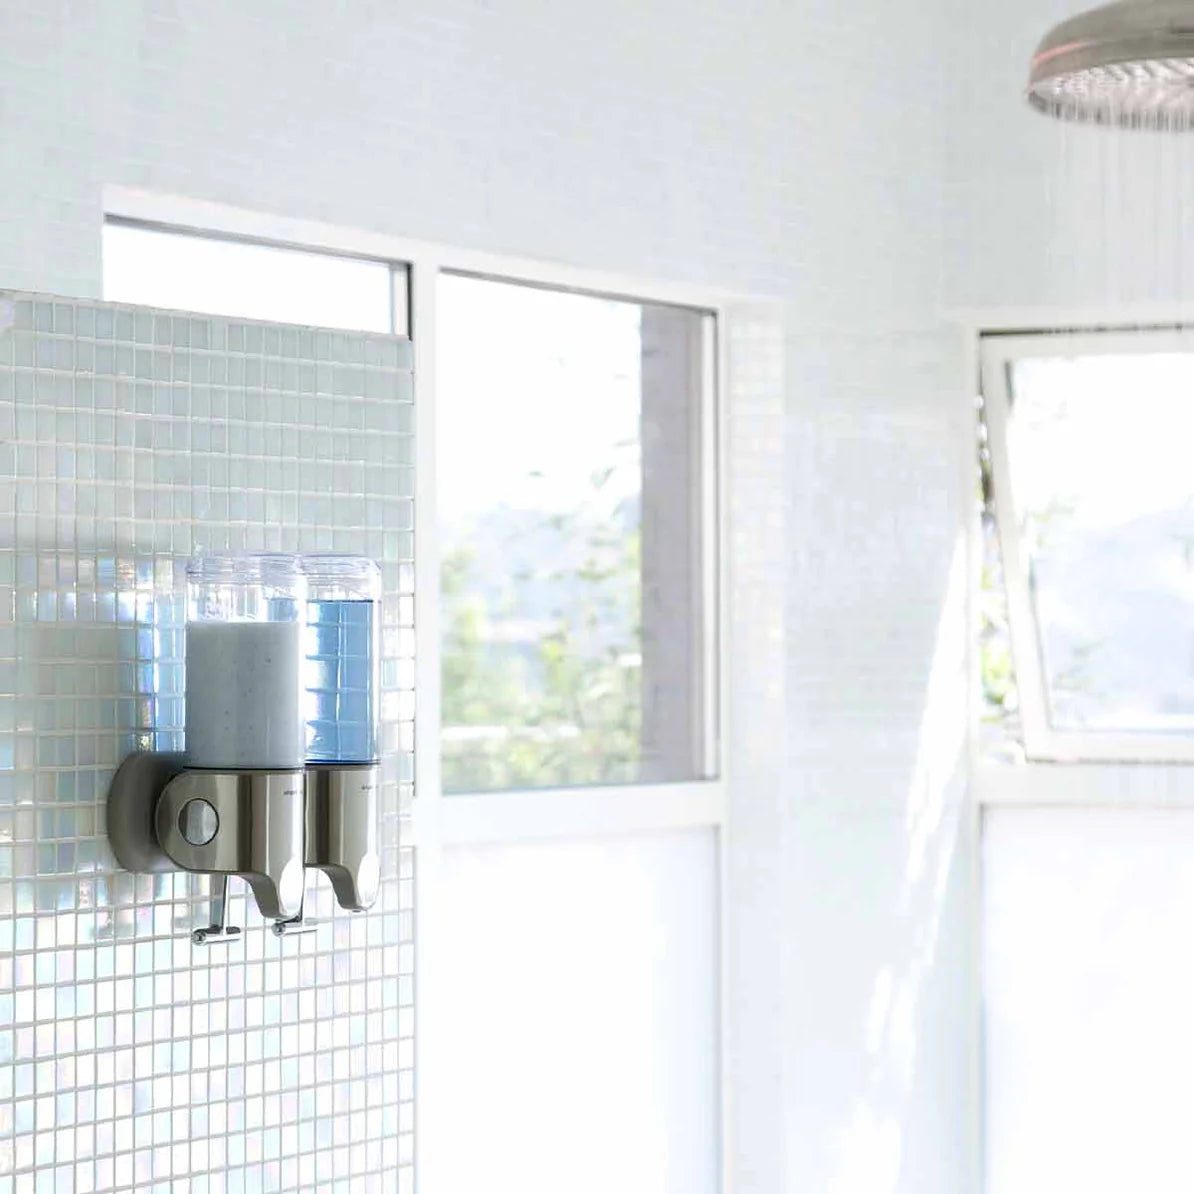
{"x":569,"y":492}
{"x":1088,"y":974}
{"x":1100,"y":457}
{"x":189,"y":272}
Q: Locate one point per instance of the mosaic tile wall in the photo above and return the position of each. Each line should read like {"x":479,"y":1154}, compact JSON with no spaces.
{"x":131,"y":1059}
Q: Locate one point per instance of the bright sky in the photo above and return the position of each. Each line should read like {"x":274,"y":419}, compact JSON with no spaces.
{"x":529,"y":382}
{"x":1115,"y":432}
{"x":1108,"y":438}
{"x":224,"y":277}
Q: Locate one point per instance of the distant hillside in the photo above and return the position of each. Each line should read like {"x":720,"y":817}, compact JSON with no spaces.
{"x":1117,"y":615}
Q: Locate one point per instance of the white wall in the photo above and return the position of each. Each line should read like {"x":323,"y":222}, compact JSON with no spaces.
{"x":876,"y":833}
{"x":790,"y":149}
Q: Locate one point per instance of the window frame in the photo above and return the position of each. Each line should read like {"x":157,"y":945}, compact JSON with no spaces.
{"x":708,"y":540}
{"x":998,"y":352}
{"x":460,"y":817}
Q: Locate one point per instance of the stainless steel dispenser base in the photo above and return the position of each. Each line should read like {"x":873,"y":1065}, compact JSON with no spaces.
{"x":342,"y":831}
{"x":263,"y":826}
{"x":162,"y":817}
{"x":247,"y":823}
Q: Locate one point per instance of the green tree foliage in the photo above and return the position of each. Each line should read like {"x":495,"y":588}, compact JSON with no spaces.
{"x":566,"y":708}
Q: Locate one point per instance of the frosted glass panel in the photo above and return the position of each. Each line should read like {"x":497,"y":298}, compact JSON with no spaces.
{"x":1089,"y":976}
{"x":578,"y":992}
{"x":253,"y":281}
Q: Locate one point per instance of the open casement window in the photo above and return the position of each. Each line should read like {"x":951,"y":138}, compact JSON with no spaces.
{"x":1092,"y":457}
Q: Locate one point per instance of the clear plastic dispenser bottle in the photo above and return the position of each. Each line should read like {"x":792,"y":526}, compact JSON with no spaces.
{"x":238,"y":805}
{"x":244,"y":663}
{"x":341,"y":665}
{"x":340,"y":677}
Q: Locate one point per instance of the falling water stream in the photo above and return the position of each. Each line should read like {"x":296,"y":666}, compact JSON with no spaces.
{"x":1117,"y":203}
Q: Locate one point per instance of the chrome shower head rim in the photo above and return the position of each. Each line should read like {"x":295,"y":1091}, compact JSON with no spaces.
{"x":1129,"y":64}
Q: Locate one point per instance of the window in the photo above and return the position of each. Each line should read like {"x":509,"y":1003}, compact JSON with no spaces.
{"x":190,"y":272}
{"x":1089,"y":441}
{"x":572,"y":499}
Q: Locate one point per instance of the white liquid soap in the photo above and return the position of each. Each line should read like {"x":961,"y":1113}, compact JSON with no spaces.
{"x":243,"y":696}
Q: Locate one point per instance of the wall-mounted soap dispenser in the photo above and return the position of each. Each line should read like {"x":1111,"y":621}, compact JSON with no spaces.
{"x":280,"y":768}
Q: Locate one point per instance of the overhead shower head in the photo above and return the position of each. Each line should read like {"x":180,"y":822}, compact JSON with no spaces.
{"x":1129,"y":64}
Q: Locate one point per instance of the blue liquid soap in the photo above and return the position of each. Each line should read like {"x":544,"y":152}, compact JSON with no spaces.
{"x":338,"y":677}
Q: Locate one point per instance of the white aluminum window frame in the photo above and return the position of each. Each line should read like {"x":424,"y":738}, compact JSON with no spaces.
{"x":438,"y":821}
{"x":1042,"y":741}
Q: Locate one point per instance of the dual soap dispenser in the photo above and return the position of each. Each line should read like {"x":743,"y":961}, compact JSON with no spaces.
{"x":280,"y":768}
